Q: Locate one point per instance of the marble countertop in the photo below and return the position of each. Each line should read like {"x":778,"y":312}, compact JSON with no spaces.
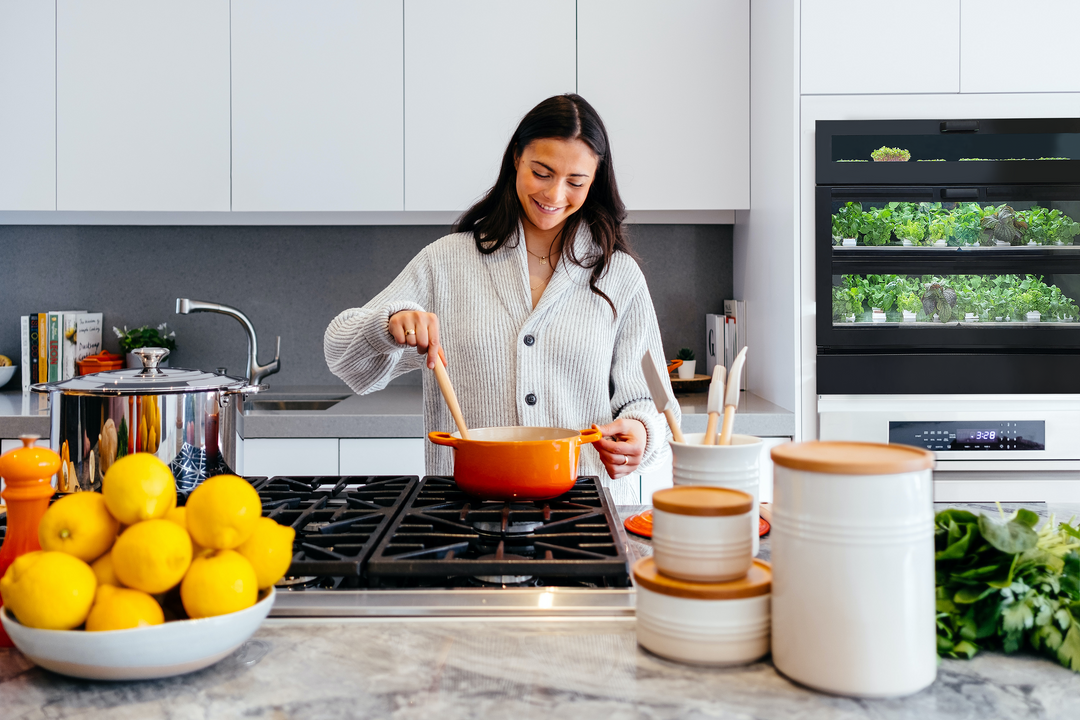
{"x":396,"y":411}
{"x":522,"y":669}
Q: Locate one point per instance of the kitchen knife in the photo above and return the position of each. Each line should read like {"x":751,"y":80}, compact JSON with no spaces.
{"x":716,"y":402}
{"x":731,"y":396}
{"x":665,"y":403}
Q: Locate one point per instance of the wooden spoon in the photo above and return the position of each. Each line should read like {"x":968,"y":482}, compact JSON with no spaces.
{"x":447,"y":390}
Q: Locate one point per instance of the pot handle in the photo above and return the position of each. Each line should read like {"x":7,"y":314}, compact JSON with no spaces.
{"x":589,"y":436}
{"x":443,"y":438}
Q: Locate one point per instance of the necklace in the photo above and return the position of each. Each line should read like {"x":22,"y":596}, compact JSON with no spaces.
{"x":543,"y":258}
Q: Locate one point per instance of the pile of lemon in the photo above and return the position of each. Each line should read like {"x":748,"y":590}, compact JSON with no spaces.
{"x":128,"y":557}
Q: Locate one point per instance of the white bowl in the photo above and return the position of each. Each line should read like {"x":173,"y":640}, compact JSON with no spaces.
{"x":6,"y":373}
{"x":173,"y":648}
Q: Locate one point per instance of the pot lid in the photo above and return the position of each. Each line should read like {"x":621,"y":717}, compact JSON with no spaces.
{"x":852,"y":458}
{"x":758,"y":581}
{"x":150,"y":380}
{"x":702,"y":501}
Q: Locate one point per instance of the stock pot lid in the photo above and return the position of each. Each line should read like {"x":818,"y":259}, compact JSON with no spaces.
{"x":755,"y":583}
{"x":147,"y":381}
{"x":702,"y":501}
{"x":852,"y":458}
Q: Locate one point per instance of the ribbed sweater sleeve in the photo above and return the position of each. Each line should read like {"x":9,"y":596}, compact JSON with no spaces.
{"x":358,"y":347}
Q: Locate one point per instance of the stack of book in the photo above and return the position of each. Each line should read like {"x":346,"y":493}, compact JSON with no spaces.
{"x":53,"y":342}
{"x":726,"y":337}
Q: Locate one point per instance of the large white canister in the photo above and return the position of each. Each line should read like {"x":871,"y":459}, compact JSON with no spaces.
{"x":853,"y":567}
{"x":736,"y":466}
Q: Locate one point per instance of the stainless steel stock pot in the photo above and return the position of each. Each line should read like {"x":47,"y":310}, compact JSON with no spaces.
{"x":188,"y":418}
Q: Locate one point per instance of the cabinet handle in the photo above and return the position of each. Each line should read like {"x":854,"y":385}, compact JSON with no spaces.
{"x":963,"y":126}
{"x":960,"y":193}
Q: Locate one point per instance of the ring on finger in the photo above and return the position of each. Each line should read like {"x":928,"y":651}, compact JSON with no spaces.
{"x":410,"y":332}
{"x":625,"y":460}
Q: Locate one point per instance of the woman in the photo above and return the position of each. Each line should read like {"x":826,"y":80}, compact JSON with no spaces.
{"x":535,"y":302}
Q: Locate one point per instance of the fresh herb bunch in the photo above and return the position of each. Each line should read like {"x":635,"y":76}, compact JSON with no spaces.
{"x":146,"y":336}
{"x":1002,"y":225}
{"x":939,"y":299}
{"x":888,"y":154}
{"x":1004,"y":585}
{"x":685,"y":354}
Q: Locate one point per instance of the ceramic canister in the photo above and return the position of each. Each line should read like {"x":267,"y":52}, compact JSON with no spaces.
{"x":853,"y":564}
{"x":703,"y":623}
{"x":702,"y":533}
{"x":736,"y":466}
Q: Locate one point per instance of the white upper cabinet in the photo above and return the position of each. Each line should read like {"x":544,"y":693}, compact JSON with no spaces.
{"x":317,"y":94}
{"x":142,"y":96}
{"x":671,"y":81}
{"x":1019,"y":47}
{"x":27,"y":106}
{"x":881,"y":47}
{"x":473,"y":68}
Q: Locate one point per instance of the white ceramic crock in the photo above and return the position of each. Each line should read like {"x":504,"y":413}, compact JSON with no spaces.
{"x":736,"y":466}
{"x":702,"y":534}
{"x":853,"y":565}
{"x":706,"y":624}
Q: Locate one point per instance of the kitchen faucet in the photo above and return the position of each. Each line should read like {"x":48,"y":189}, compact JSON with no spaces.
{"x":255,"y":371}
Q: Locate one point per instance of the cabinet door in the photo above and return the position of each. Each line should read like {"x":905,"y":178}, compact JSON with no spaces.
{"x":290,"y":456}
{"x":881,"y":46}
{"x":473,"y":68}
{"x":1030,"y":50}
{"x":142,"y":105}
{"x":672,"y":82}
{"x":317,"y":93}
{"x":27,"y":106}
{"x":382,"y":456}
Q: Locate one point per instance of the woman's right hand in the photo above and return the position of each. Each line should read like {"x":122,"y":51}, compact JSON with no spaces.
{"x":419,"y":330}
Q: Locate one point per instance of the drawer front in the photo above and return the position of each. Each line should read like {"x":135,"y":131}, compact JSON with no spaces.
{"x":382,"y":456}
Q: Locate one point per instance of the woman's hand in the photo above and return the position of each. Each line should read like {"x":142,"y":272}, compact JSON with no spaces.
{"x":419,"y":330}
{"x":622,"y":446}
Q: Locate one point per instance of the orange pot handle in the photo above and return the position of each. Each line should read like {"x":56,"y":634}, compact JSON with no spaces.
{"x":673,"y":365}
{"x":589,"y":436}
{"x":443,"y":438}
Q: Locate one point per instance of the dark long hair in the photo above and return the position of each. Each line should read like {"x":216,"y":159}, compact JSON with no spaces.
{"x":494,"y":219}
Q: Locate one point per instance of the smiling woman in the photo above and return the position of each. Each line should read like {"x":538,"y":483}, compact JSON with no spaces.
{"x":536,"y":303}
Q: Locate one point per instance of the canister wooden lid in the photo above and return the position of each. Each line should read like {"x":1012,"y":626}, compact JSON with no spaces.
{"x":702,"y":501}
{"x":852,"y":458}
{"x":756,"y":582}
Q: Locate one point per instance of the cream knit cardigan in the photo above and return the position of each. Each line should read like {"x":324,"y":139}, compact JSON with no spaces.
{"x":566,"y":363}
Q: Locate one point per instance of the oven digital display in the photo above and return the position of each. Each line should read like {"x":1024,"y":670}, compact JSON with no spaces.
{"x":968,"y":436}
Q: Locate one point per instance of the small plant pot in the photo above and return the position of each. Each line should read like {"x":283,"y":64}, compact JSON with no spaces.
{"x":905,"y":242}
{"x":909,"y":316}
{"x":877,"y":315}
{"x":1033,"y":316}
{"x":1032,"y":243}
{"x":686,"y":370}
{"x":851,"y":242}
{"x":971,"y":317}
{"x":940,"y":243}
{"x":1002,"y":243}
{"x":999,"y":319}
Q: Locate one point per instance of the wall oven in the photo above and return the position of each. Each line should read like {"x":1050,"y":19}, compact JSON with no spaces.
{"x":948,"y":297}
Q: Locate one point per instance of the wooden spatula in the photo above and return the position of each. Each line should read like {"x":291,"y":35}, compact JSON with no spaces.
{"x":731,"y":396}
{"x":447,"y":390}
{"x":716,"y":403}
{"x":665,"y":402}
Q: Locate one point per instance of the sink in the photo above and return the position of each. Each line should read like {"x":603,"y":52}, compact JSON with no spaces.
{"x":284,"y":405}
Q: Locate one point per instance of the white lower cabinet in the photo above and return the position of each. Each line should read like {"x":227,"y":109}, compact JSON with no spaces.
{"x":289,"y":456}
{"x":381,"y":456}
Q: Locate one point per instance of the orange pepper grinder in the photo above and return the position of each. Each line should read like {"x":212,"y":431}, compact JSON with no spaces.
{"x":28,"y":472}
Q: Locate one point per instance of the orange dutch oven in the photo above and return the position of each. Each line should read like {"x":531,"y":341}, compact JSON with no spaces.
{"x":516,"y":463}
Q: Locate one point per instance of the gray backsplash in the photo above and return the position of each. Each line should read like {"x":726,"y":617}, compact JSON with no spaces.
{"x":291,"y":281}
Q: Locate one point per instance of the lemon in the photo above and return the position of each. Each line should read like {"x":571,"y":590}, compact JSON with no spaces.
{"x":269,"y":550}
{"x":138,"y":487}
{"x":218,"y":584}
{"x":78,"y":524}
{"x":121,"y":609}
{"x":178,"y":515}
{"x":221,"y":513}
{"x":49,"y":590}
{"x":152,"y":556}
{"x":103,"y":570}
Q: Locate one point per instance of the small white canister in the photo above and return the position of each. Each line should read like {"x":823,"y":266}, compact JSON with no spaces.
{"x":703,"y":623}
{"x":853,"y":564}
{"x":702,"y":533}
{"x":736,"y":466}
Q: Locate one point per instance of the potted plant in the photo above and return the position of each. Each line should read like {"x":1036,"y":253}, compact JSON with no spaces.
{"x":938,"y":302}
{"x":847,"y":302}
{"x":910,"y":304}
{"x":145,"y":336}
{"x":888,"y":154}
{"x":1029,"y":304}
{"x":846,"y":223}
{"x":689,"y":364}
{"x":877,"y":226}
{"x":967,"y":228}
{"x":1002,"y":226}
{"x":911,"y":232}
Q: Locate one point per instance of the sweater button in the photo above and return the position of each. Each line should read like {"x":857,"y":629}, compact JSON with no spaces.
{"x":529,"y":340}
{"x":530,"y":399}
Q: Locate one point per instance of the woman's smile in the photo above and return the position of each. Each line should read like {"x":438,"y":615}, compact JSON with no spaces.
{"x":553,"y":181}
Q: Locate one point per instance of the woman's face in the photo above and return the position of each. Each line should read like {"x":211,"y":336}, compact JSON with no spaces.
{"x":553,"y":180}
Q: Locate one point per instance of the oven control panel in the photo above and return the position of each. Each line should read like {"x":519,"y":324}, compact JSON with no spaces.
{"x":970,"y":435}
